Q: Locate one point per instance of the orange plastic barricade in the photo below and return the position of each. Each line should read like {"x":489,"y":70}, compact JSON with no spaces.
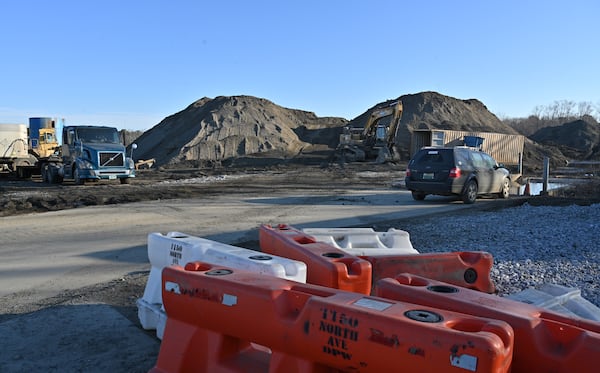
{"x":392,"y":253}
{"x":544,"y":341}
{"x":326,"y":265}
{"x":229,"y":320}
{"x":469,"y":269}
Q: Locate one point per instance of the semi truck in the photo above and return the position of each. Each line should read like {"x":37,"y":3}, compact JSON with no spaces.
{"x":77,"y":153}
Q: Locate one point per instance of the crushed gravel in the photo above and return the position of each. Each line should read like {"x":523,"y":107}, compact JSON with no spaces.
{"x":531,"y":245}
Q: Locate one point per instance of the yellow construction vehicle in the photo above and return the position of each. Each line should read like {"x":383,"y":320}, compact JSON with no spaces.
{"x":47,"y":143}
{"x":24,"y":149}
{"x":376,"y":140}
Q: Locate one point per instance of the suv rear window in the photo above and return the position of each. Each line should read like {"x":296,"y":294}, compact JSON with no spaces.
{"x":434,"y":157}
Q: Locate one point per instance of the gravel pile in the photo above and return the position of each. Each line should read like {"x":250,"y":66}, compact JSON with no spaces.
{"x":531,"y":245}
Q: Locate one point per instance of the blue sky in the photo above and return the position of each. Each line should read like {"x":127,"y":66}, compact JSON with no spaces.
{"x":131,"y":63}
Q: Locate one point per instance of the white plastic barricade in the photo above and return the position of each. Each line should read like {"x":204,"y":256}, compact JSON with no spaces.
{"x":365,"y":241}
{"x":177,"y":248}
{"x":561,"y":299}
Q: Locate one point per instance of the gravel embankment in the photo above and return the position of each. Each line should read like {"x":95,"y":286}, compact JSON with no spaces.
{"x":531,"y":245}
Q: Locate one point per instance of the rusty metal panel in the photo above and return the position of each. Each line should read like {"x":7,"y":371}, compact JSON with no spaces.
{"x":504,"y":148}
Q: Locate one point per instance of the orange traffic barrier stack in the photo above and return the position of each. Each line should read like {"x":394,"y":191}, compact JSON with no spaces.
{"x":326,"y":265}
{"x":544,"y":341}
{"x":229,"y":320}
{"x":469,"y":269}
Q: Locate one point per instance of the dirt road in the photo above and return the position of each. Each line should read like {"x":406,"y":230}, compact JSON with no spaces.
{"x":21,"y":197}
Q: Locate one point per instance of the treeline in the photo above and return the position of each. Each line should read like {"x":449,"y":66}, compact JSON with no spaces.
{"x":128,"y":136}
{"x":555,"y":114}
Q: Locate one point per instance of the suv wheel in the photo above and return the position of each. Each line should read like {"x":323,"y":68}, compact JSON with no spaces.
{"x":505,"y":191}
{"x":418,"y":196}
{"x":469,"y":194}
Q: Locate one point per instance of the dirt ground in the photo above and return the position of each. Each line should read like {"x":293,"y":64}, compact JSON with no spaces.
{"x":22,"y":197}
{"x":27,"y":196}
{"x":34,"y":196}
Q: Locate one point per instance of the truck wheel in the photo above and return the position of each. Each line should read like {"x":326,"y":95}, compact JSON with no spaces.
{"x":51,"y":176}
{"x":77,"y":177}
{"x":44,"y":174}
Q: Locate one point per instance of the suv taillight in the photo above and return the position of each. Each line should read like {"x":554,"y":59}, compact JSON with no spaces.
{"x":454,"y":172}
{"x":408,"y":172}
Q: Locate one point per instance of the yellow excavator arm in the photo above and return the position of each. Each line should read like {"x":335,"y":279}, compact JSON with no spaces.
{"x":376,"y":139}
{"x":393,"y":111}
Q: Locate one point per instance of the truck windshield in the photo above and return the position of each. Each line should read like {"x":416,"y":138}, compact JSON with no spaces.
{"x":98,"y":135}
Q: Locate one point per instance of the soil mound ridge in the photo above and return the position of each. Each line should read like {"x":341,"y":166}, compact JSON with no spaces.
{"x":579,"y":139}
{"x":432,"y":110}
{"x":248,"y":131}
{"x":214,"y":130}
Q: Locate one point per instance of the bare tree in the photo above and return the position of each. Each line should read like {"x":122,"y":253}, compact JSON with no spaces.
{"x":563,"y":109}
{"x":538,"y":111}
{"x":585,"y":108}
{"x":555,"y":114}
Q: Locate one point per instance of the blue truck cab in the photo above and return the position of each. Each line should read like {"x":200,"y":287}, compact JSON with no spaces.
{"x":94,"y":153}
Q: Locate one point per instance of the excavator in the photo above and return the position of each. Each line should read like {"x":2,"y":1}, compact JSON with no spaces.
{"x":374,"y":141}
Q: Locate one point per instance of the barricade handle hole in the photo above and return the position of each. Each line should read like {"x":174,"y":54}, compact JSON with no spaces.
{"x":304,"y":240}
{"x":219,"y":272}
{"x":442,"y":289}
{"x":470,"y":275}
{"x":424,"y":316}
{"x":333,"y":255}
{"x":472,"y":257}
{"x":197,"y":266}
{"x":407,"y":279}
{"x":468,"y":326}
{"x":260,"y":257}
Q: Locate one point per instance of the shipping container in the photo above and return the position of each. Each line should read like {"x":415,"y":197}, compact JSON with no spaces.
{"x":507,"y":149}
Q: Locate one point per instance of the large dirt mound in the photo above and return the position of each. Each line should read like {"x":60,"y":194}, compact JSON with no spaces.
{"x":249,"y":131}
{"x":579,"y":139}
{"x":213,"y":130}
{"x":432,"y":110}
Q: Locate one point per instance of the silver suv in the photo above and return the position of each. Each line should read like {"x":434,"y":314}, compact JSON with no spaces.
{"x":462,"y":171}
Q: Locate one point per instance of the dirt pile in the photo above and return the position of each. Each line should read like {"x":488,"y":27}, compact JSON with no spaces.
{"x":432,"y":110}
{"x":249,"y":131}
{"x":214,"y":130}
{"x":579,"y":139}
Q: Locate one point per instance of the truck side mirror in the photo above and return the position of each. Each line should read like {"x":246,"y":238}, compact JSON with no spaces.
{"x":133,"y":147}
